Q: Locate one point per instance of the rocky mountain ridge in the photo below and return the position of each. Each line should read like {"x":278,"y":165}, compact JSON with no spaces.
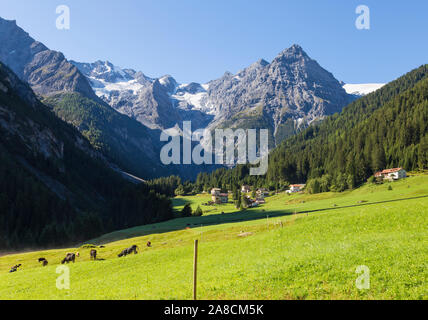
{"x":284,"y":96}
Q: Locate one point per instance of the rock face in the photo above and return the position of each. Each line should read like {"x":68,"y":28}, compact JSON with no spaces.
{"x":35,"y":138}
{"x":283,"y":96}
{"x":47,"y":71}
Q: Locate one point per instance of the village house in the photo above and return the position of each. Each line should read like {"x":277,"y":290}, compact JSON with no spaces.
{"x":252,"y":202}
{"x":262,"y":193}
{"x":218,"y":197}
{"x":294,"y":188}
{"x":391,"y":174}
{"x":245,"y":189}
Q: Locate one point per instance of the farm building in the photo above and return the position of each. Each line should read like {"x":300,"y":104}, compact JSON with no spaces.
{"x":392,"y":174}
{"x":218,"y":197}
{"x":294,"y":188}
{"x":262,"y":193}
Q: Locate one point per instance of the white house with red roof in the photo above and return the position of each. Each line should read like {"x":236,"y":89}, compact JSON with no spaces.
{"x":391,"y":174}
{"x":294,"y":188}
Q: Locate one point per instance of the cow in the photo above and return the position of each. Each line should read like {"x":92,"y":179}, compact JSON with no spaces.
{"x":93,"y":254}
{"x":15,"y":268}
{"x":149,"y":244}
{"x":70,"y":257}
{"x":127,"y":251}
{"x":43,"y":261}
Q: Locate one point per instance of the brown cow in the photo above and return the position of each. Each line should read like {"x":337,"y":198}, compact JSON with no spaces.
{"x":93,"y":254}
{"x":70,"y":257}
{"x":128,"y":251}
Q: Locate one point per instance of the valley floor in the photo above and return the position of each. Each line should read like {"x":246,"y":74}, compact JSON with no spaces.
{"x":293,"y":247}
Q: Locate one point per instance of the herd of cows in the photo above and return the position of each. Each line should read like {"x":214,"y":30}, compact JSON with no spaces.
{"x":71,"y":257}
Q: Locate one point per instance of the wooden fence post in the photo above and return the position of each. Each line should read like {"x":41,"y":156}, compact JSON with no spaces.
{"x":195,"y":269}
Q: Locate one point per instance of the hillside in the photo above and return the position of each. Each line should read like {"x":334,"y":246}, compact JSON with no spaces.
{"x":293,"y":247}
{"x":55,"y":189}
{"x":386,"y":129}
{"x":126,"y":142}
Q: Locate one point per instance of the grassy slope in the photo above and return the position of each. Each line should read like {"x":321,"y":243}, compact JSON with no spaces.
{"x":313,"y":256}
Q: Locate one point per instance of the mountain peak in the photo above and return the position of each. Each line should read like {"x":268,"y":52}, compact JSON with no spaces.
{"x":26,"y":57}
{"x":295,"y":46}
{"x":294,"y":52}
{"x":169,"y":83}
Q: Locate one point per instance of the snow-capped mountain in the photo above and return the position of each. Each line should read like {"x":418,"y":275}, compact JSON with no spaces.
{"x":160,"y":103}
{"x":362,"y":89}
{"x":106,"y":78}
{"x":284,"y":96}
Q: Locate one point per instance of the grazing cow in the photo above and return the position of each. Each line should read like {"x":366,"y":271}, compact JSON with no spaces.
{"x":15,"y":268}
{"x":149,"y":244}
{"x":70,"y":257}
{"x":43,"y":261}
{"x":127,"y":251}
{"x":93,"y":254}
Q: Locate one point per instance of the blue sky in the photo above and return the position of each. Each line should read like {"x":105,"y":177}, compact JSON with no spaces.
{"x":198,"y":40}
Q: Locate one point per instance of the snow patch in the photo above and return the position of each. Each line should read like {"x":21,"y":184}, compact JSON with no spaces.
{"x":195,"y":100}
{"x":104,"y":88}
{"x":362,"y":89}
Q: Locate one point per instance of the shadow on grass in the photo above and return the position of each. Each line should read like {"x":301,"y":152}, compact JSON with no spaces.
{"x":226,"y":218}
{"x":179,"y":202}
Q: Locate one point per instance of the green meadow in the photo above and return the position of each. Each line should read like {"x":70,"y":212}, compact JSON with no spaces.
{"x":293,"y":247}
